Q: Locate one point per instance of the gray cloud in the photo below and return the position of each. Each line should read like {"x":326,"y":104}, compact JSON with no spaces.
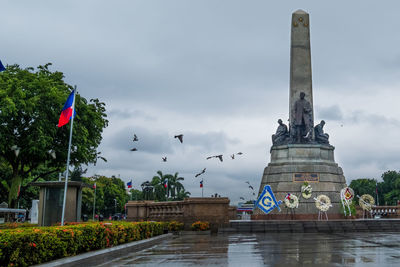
{"x":359,"y":116}
{"x":217,"y":71}
{"x":128,"y":114}
{"x":329,"y":113}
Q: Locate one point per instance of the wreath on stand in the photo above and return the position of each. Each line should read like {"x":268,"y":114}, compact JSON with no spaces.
{"x":346,"y":196}
{"x":323,"y":203}
{"x":306,"y":190}
{"x":366,"y":202}
{"x":291,"y":201}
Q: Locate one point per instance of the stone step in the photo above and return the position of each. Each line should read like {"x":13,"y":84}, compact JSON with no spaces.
{"x":334,"y":226}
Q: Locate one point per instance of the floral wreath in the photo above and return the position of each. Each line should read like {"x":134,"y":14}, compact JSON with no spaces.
{"x":323,"y":203}
{"x":306,"y":190}
{"x":347,"y":194}
{"x":346,"y":197}
{"x":366,"y":202}
{"x":291,"y":201}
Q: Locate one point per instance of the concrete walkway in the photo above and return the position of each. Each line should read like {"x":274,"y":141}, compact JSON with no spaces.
{"x":270,"y":249}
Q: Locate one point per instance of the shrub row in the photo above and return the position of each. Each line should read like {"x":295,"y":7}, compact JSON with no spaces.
{"x":200,"y":226}
{"x":16,"y":225}
{"x":34,"y":245}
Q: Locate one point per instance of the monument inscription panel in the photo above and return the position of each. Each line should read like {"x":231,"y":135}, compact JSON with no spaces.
{"x":306,"y":177}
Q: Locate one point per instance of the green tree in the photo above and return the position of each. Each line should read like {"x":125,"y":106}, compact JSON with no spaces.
{"x":364,"y":186}
{"x":136,"y":194}
{"x":174,"y":191}
{"x":107,"y":189}
{"x":159,"y":191}
{"x":182,"y":195}
{"x":390,"y":187}
{"x":174,"y":185}
{"x":76,"y":174}
{"x":30,"y":105}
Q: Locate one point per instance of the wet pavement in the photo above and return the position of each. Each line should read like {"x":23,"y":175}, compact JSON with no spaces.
{"x":283,"y":249}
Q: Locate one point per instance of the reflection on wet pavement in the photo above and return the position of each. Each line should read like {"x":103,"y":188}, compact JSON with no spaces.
{"x":283,"y":249}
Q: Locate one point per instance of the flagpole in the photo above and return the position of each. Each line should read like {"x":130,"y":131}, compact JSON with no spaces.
{"x":202,"y":187}
{"x":94,"y":201}
{"x":68,"y":158}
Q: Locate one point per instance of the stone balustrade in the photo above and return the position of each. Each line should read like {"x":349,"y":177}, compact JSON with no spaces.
{"x":215,"y":210}
{"x":386,"y":211}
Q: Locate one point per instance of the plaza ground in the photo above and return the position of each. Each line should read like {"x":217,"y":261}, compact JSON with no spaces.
{"x":270,"y":249}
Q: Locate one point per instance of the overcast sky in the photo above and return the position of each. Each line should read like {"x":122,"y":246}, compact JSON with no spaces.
{"x":217,"y":72}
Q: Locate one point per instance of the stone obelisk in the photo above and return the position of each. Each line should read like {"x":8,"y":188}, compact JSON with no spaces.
{"x":300,"y":61}
{"x":305,"y":158}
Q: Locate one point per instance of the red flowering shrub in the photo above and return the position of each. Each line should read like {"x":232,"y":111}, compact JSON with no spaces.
{"x":175,"y":226}
{"x":16,"y":225}
{"x":34,"y":245}
{"x":200,"y":226}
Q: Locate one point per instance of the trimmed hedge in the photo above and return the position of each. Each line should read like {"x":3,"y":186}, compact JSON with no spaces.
{"x":200,"y":226}
{"x":175,"y":226}
{"x":34,"y":245}
{"x":16,"y":225}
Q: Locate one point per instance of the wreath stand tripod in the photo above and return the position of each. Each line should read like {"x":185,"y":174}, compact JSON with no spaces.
{"x":291,"y":213}
{"x":367,"y":214}
{"x":321,"y":215}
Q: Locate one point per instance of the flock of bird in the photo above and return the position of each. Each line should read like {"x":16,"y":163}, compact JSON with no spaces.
{"x":220,"y":157}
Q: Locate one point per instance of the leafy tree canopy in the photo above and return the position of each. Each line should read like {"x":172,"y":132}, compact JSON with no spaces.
{"x":107,"y":189}
{"x":174,"y":189}
{"x":364,"y":186}
{"x":30,"y":105}
{"x":388,"y":189}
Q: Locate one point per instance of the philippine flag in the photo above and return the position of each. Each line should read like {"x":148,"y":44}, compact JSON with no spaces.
{"x":201,"y":183}
{"x":129,"y":184}
{"x":67,"y":110}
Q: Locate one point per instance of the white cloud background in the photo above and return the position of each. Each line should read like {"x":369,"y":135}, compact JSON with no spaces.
{"x":218,"y":72}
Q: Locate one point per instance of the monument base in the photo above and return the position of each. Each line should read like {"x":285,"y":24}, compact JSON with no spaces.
{"x":292,"y":165}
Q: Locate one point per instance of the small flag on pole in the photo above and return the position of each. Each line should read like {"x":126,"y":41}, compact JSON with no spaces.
{"x":201,"y":183}
{"x":165,"y":183}
{"x":67,"y":110}
{"x":129,"y":184}
{"x":94,"y":186}
{"x":2,"y":67}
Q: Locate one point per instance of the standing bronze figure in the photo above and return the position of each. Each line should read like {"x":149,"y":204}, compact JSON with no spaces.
{"x":302,"y":121}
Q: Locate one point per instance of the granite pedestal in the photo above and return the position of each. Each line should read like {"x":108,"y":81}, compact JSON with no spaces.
{"x":291,"y":165}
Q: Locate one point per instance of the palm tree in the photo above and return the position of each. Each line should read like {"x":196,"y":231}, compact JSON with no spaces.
{"x":182,"y":195}
{"x":175,"y":188}
{"x":174,"y":184}
{"x":158,"y":183}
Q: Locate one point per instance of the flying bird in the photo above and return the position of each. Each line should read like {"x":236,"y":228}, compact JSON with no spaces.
{"x":242,"y":198}
{"x":239,"y":153}
{"x":200,"y":173}
{"x":180,"y":137}
{"x":164,"y":159}
{"x":254,"y":194}
{"x":233,"y":156}
{"x":134,"y":149}
{"x":247,"y":182}
{"x":216,"y":156}
{"x":135,"y":138}
{"x":251,"y":187}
